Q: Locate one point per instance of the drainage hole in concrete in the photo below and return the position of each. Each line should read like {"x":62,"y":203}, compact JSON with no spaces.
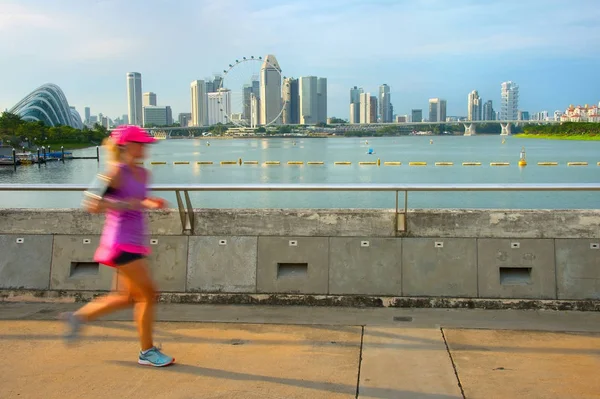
{"x":515,"y":275}
{"x":403,"y":318}
{"x":84,"y":269}
{"x":292,"y":270}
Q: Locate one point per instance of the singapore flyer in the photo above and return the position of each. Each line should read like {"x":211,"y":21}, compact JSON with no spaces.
{"x":250,"y":92}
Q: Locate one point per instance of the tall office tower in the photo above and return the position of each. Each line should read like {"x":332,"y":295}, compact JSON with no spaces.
{"x":321,"y":100}
{"x":416,"y":115}
{"x":372,"y":106}
{"x":474,"y":107}
{"x":509,"y":105}
{"x":156,"y":116}
{"x":488,"y":111}
{"x":364,"y":108}
{"x":437,"y":110}
{"x":249,"y":91}
{"x":134,"y":98}
{"x":88,"y":113}
{"x":149,"y":99}
{"x":355,"y":93}
{"x":384,"y":104}
{"x":291,"y":101}
{"x":308,"y":100}
{"x":219,"y":107}
{"x":270,"y":91}
{"x":199,"y":103}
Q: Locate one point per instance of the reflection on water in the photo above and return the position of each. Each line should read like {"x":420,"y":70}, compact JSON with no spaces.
{"x":484,"y":149}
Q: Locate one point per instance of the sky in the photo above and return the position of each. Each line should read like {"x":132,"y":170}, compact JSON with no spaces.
{"x":420,"y":48}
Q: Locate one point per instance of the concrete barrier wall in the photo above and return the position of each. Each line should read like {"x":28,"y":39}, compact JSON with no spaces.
{"x":457,"y":254}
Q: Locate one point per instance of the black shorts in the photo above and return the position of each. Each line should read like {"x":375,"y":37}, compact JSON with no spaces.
{"x":124,"y":258}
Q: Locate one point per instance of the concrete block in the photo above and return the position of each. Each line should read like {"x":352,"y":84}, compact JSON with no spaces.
{"x":517,"y":268}
{"x":293,"y":265}
{"x":365,"y":266}
{"x":73,"y":266}
{"x":578,"y":268}
{"x":222,"y":264}
{"x":168,"y":262}
{"x":296,"y":222}
{"x":25,"y":261}
{"x":439,"y":267}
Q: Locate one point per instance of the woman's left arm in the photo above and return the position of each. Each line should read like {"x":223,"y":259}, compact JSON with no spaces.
{"x":152,"y":202}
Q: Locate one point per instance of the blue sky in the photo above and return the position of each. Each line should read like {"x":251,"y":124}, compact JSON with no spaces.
{"x":421,"y":48}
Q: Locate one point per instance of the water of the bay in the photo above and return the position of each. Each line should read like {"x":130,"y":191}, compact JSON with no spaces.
{"x":456,"y":149}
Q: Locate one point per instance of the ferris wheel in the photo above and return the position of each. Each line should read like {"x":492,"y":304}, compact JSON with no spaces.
{"x":250,"y":92}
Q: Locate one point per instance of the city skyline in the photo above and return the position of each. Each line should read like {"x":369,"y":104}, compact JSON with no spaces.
{"x":551,"y":72}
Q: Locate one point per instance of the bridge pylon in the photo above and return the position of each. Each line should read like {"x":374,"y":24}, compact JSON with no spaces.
{"x":469,"y":129}
{"x":506,"y":129}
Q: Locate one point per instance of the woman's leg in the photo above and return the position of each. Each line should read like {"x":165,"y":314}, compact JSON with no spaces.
{"x":144,"y":293}
{"x":119,"y":299}
{"x":142,"y":289}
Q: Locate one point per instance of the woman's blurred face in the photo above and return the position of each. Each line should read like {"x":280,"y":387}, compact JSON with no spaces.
{"x":136,"y":150}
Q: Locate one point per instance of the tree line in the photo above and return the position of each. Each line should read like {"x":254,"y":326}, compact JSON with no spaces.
{"x":14,"y":131}
{"x":564,"y":129}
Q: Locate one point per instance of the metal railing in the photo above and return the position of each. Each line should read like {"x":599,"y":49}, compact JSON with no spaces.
{"x":186,"y":211}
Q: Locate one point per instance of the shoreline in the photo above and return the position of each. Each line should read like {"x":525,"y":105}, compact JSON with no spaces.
{"x":557,"y":137}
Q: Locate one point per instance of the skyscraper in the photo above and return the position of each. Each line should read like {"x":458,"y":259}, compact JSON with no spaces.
{"x":355,"y":93}
{"x":488,"y":111}
{"x":372,"y":108}
{"x":249,"y":91}
{"x":291,"y":99}
{"x":149,"y":99}
{"x":199,"y":103}
{"x":219,"y":107}
{"x":437,"y":110}
{"x":134,"y":98}
{"x":308,"y":100}
{"x":270,"y":91}
{"x":87,"y":114}
{"x":363,"y":116}
{"x":416,"y":115}
{"x":509,"y":106}
{"x":322,"y":100}
{"x":474,"y":107}
{"x":385,"y":115}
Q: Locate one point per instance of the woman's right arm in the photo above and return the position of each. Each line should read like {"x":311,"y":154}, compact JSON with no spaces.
{"x":100,"y":205}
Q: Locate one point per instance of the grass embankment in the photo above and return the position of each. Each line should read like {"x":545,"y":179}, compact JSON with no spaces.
{"x":583,"y":137}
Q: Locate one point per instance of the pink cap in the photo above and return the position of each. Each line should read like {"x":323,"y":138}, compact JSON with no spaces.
{"x":131,"y":134}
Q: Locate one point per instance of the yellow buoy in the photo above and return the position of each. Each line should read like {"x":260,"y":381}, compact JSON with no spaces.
{"x":417,"y":164}
{"x":430,"y":141}
{"x":315,"y":163}
{"x":204,"y":163}
{"x":250,"y":162}
{"x":523,"y":158}
{"x":295,"y":163}
{"x":392,"y":163}
{"x":444,"y":164}
{"x":342,"y":163}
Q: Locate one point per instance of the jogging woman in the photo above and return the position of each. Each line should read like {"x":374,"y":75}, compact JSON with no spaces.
{"x":123,"y":244}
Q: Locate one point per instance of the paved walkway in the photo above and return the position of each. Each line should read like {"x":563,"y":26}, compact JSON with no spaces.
{"x":298,"y":352}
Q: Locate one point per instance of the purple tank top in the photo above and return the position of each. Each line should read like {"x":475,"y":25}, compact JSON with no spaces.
{"x":126,"y":229}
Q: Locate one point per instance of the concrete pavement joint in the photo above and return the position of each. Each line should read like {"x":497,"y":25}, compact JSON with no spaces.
{"x":462,"y":392}
{"x":362,"y":337}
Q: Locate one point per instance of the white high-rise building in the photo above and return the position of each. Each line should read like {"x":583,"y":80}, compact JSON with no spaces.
{"x":219,"y":107}
{"x":364,"y":110}
{"x":385,"y":106}
{"x":475,"y":106}
{"x":199,"y":103}
{"x":149,"y":99}
{"x":134,"y":98}
{"x":509,"y":105}
{"x":270,"y":91}
{"x":355,"y":93}
{"x":309,"y":109}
